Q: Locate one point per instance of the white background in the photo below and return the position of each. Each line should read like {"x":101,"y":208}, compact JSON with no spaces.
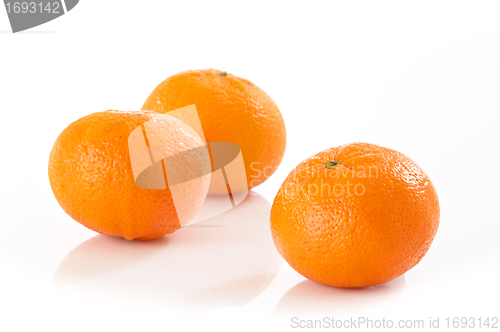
{"x":421,"y":77}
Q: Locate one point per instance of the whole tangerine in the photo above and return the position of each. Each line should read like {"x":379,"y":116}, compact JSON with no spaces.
{"x":231,"y":109}
{"x":91,"y":175}
{"x":356,"y":215}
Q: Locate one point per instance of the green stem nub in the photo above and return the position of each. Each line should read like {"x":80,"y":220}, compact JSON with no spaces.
{"x":332,"y":164}
{"x":222,"y":73}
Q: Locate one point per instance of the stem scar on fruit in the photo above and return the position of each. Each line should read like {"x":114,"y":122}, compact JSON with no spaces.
{"x":332,"y":164}
{"x":222,"y":73}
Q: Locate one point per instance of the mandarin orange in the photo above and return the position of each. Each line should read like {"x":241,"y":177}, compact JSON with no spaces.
{"x":231,"y":109}
{"x":356,"y":215}
{"x":91,"y":175}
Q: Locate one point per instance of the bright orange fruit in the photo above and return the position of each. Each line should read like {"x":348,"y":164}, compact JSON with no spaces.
{"x":231,"y":109}
{"x":355,"y":215}
{"x":91,"y":175}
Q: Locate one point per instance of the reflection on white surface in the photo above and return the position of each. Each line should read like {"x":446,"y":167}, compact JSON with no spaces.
{"x":311,"y":298}
{"x":227,"y":260}
{"x":213,"y":205}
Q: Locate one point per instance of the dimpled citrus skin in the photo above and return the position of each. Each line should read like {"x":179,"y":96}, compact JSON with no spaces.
{"x":231,"y":109}
{"x":374,"y":228}
{"x":91,"y":176}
